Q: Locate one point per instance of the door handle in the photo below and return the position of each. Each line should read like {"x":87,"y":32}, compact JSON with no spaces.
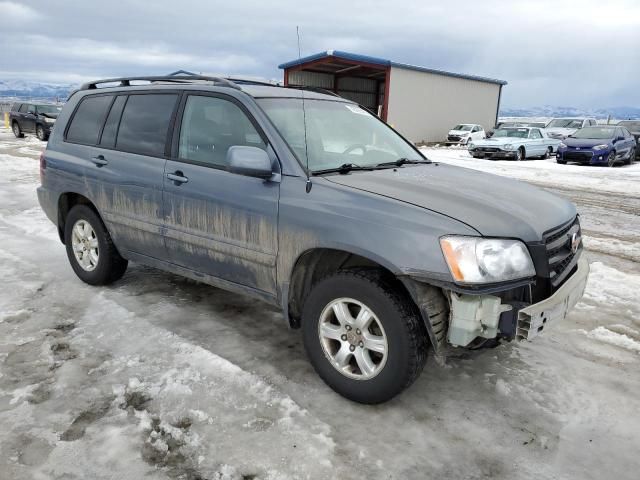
{"x":99,"y":160}
{"x":177,"y":177}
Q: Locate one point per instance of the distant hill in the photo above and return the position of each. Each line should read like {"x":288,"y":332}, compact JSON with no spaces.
{"x":25,"y":89}
{"x":548,"y":111}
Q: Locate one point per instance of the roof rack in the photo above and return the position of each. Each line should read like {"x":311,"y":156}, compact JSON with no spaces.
{"x":126,"y":81}
{"x":250,"y":81}
{"x":314,"y":89}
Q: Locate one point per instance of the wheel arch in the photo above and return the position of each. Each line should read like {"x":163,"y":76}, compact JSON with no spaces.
{"x":316,"y":263}
{"x":68,"y":200}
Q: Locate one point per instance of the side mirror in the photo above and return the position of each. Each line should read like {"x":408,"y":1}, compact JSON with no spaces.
{"x":249,"y":161}
{"x":31,"y":112}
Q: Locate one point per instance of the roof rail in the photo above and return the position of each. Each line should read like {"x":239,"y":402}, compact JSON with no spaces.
{"x":126,"y":81}
{"x":314,"y":89}
{"x":250,"y":81}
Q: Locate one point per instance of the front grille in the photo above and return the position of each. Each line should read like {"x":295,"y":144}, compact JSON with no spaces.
{"x":453,"y":138}
{"x":580,"y":156}
{"x":563,"y":246}
{"x":488,"y":149}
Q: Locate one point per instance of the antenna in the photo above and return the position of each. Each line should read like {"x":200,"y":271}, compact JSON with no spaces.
{"x":304,"y":121}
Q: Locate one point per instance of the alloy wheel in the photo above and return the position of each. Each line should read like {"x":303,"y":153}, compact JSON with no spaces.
{"x":85,"y":245}
{"x":353,"y":339}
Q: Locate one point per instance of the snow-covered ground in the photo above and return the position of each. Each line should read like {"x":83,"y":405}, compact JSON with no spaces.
{"x":160,"y":377}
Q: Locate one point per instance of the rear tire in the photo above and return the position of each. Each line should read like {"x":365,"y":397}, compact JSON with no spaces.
{"x":396,"y":324}
{"x":561,"y":162}
{"x":548,"y":153}
{"x":16,"y":130}
{"x":91,"y":252}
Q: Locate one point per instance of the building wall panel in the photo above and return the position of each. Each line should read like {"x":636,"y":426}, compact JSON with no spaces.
{"x":425,"y":106}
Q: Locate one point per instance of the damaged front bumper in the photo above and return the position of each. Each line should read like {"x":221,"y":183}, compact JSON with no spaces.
{"x":473,"y":316}
{"x":533,"y":319}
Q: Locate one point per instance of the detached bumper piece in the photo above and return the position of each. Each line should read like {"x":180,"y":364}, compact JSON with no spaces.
{"x":533,"y":319}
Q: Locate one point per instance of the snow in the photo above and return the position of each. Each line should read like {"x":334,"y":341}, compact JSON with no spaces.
{"x":161,"y":377}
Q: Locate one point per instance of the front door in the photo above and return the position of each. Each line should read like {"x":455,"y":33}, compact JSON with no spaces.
{"x":220,"y":223}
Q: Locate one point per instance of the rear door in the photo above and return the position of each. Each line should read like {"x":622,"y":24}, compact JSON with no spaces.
{"x":536,"y":142}
{"x":27,"y":117}
{"x":220,"y":223}
{"x":125,"y":138}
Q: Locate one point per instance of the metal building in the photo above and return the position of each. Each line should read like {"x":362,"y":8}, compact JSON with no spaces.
{"x":421,"y":103}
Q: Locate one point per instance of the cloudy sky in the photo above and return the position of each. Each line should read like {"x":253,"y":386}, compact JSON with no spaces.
{"x":582,"y":53}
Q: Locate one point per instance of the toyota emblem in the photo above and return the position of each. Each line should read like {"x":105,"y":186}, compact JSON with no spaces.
{"x":575,"y":242}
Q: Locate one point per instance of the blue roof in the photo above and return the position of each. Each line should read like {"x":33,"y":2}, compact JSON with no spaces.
{"x":354,"y":57}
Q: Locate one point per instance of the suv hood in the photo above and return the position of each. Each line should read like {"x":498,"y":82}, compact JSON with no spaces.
{"x":492,"y":205}
{"x":50,"y":115}
{"x":562,"y":131}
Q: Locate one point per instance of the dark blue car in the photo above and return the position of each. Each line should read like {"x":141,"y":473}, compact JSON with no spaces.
{"x":599,"y":145}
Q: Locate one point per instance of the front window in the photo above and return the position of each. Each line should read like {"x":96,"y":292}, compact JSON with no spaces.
{"x":337,"y":133}
{"x":463,"y":128}
{"x":600,"y":133}
{"x":565,"y":123}
{"x":511,"y":132}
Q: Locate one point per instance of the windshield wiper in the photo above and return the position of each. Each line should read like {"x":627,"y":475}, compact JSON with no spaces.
{"x":344,"y":168}
{"x":402,"y":161}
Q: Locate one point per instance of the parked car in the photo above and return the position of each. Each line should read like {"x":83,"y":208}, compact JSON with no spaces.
{"x":377,"y":253}
{"x":463,"y":133}
{"x":601,"y":145}
{"x":504,"y":125}
{"x":516,"y":143}
{"x":536,"y":124}
{"x":37,"y":118}
{"x":561,"y":128}
{"x":633,"y":126}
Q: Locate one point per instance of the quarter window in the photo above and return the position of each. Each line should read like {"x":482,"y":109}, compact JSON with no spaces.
{"x":210,"y":125}
{"x":88,"y":120}
{"x":145,"y":122}
{"x":536,"y":134}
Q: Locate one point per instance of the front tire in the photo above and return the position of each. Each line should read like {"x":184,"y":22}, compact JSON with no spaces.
{"x":91,"y":252}
{"x":611,"y":159}
{"x":632,"y":156}
{"x":520,"y":155}
{"x":363,"y":335}
{"x":16,"y":130}
{"x":40,"y":133}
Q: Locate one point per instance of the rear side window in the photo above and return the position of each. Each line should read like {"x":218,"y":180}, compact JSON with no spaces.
{"x":88,"y":120}
{"x":108,"y":139}
{"x":145,"y":122}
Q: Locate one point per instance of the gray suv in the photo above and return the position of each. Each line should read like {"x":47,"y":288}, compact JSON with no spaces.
{"x":310,"y":203}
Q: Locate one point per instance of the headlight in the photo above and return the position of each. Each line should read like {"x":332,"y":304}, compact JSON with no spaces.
{"x":562,"y":145}
{"x":601,"y":147}
{"x":486,"y":260}
{"x":508,"y":146}
{"x":49,"y":120}
{"x":471,"y":145}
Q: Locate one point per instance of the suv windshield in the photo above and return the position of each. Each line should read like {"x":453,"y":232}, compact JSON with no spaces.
{"x":337,"y":134}
{"x":565,"y":123}
{"x":595,"y":132}
{"x":464,"y":128}
{"x":48,"y":109}
{"x":511,"y":132}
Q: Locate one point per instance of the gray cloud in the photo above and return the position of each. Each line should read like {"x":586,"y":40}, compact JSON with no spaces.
{"x":579,"y":53}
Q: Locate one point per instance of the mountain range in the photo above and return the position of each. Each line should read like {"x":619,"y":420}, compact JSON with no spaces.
{"x":550,"y":111}
{"x":51,"y":91}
